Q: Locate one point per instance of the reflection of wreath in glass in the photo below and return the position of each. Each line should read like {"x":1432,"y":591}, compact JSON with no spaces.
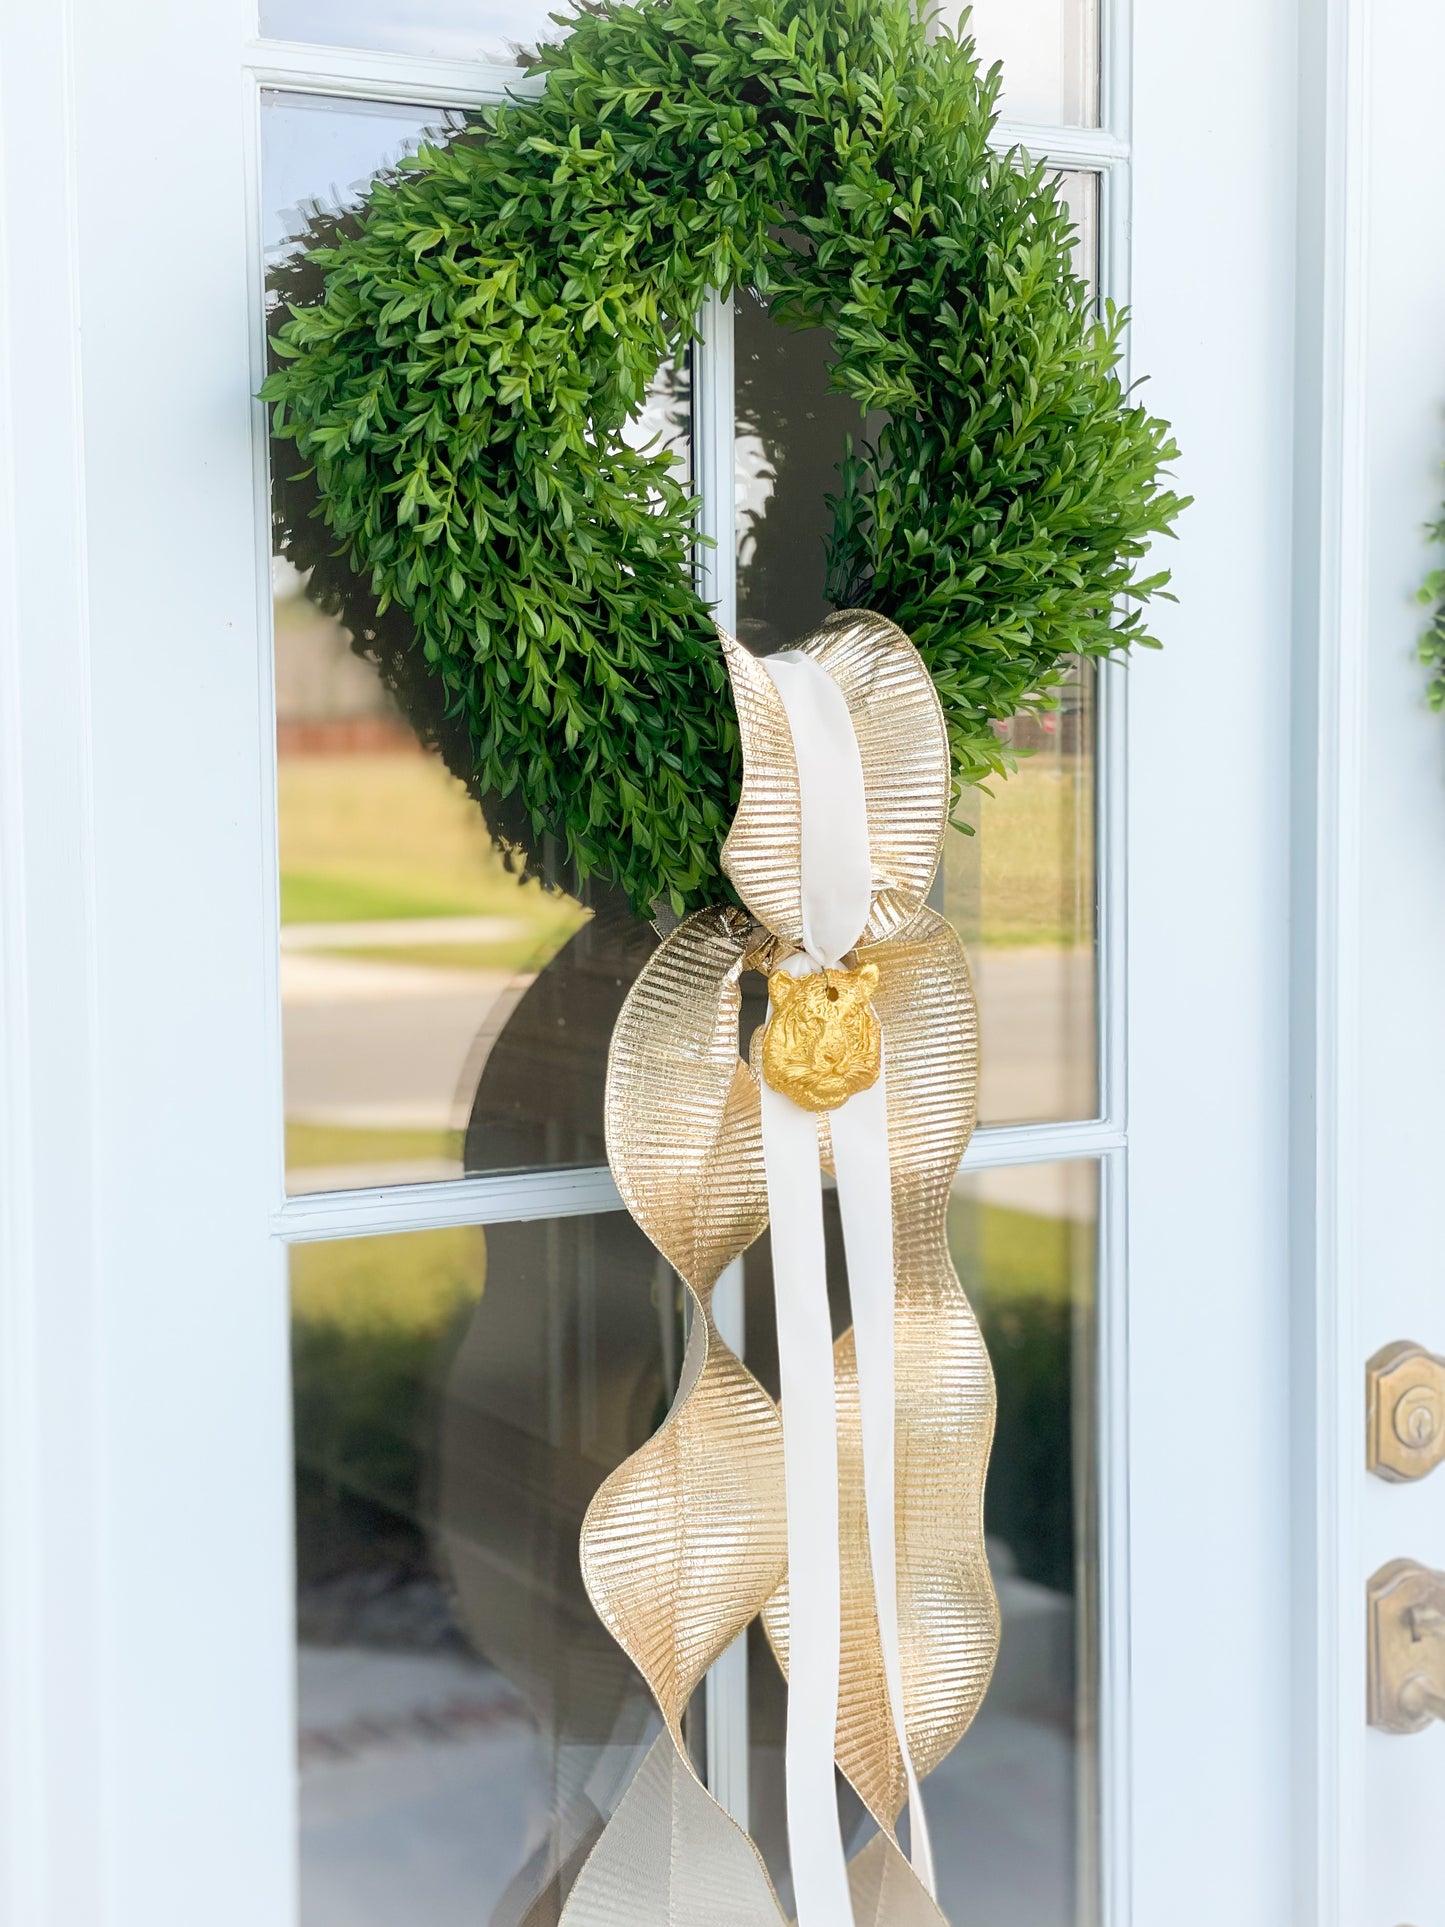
{"x":495,"y":317}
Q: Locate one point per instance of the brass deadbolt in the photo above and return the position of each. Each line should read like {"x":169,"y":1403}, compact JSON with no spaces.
{"x":1405,"y":1412}
{"x":1407,"y":1647}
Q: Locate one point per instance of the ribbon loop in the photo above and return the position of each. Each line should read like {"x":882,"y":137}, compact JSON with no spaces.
{"x":836,"y":866}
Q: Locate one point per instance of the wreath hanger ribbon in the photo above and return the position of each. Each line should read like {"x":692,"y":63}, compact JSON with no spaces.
{"x":836,"y":893}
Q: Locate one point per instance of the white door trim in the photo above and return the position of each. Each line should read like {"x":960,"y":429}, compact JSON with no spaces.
{"x":1329,"y":707}
{"x":51,"y":1621}
{"x":1213,"y":1437}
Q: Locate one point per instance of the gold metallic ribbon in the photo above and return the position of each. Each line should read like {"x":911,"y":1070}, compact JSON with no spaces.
{"x":686,"y":1542}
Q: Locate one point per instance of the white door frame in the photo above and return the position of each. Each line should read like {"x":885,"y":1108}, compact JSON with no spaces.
{"x":1380,"y":912}
{"x":145,"y":1630}
{"x":1208,"y":864}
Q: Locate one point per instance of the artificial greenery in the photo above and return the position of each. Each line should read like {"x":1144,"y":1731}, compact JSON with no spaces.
{"x":492,"y":322}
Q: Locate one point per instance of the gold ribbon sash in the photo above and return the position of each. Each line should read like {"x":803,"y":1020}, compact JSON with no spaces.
{"x":687,"y":1541}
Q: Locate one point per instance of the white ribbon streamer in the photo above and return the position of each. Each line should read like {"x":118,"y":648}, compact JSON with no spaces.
{"x":865,"y":1203}
{"x":810,"y":1476}
{"x":836,"y":899}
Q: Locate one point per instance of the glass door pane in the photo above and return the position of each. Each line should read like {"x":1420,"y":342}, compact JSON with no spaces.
{"x":446,"y":1006}
{"x":1013,"y":1809}
{"x":1050,"y":55}
{"x":466,"y":1724}
{"x":789,"y":430}
{"x":495,"y":30}
{"x":1020,"y":890}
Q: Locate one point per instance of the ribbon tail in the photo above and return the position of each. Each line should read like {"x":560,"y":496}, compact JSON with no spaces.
{"x":810,"y":1465}
{"x":865,"y":1202}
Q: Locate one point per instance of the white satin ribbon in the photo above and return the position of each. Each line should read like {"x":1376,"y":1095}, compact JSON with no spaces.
{"x":837,"y":865}
{"x":865,"y":1203}
{"x":810,"y":1475}
{"x":836,"y":899}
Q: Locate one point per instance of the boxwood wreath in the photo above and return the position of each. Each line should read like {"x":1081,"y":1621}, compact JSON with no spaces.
{"x":491,"y":321}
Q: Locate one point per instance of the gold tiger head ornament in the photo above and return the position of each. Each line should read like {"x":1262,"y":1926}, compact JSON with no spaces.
{"x":822,"y":1044}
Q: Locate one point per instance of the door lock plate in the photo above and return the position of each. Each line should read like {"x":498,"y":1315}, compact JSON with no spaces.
{"x":1405,"y":1412}
{"x":1407,"y":1647}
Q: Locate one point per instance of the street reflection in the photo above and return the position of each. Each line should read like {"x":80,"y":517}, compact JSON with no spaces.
{"x":1022,"y":893}
{"x":406,"y":944}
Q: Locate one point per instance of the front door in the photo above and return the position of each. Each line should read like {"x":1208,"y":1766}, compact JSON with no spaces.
{"x":327,"y":1321}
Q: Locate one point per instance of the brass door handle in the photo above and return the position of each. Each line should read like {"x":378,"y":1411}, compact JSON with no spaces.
{"x":1405,"y":1412}
{"x":1407,"y":1647}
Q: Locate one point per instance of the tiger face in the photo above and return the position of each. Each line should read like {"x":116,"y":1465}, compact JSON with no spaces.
{"x":822,"y":1043}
